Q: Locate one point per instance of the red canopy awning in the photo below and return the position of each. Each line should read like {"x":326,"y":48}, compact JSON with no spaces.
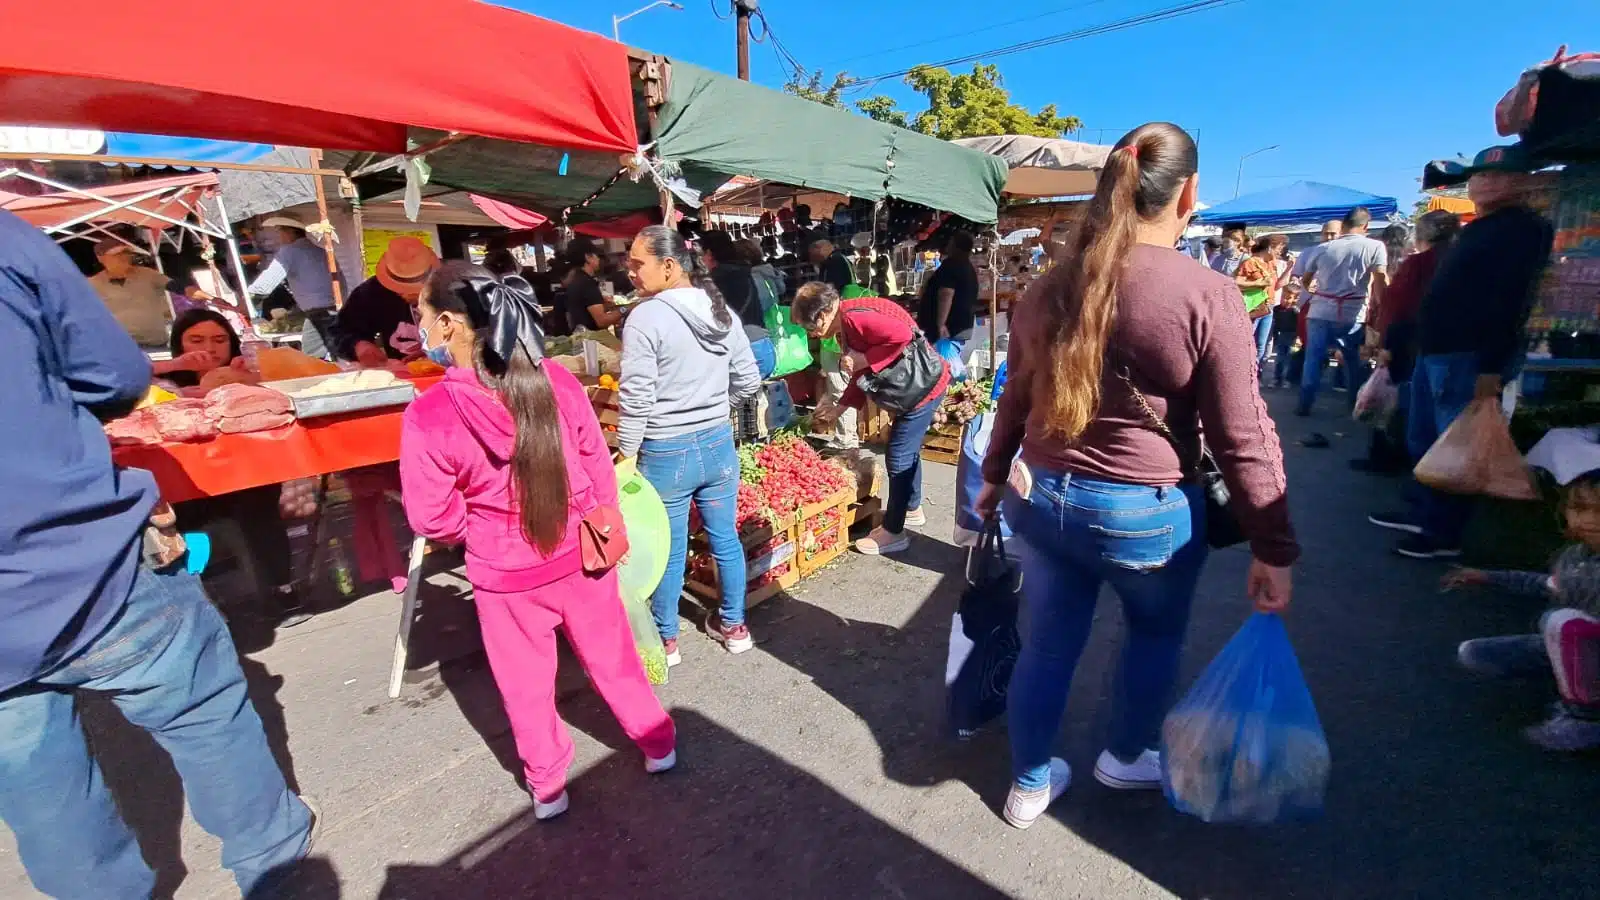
{"x":513,"y":217}
{"x":173,"y":198}
{"x":351,"y":75}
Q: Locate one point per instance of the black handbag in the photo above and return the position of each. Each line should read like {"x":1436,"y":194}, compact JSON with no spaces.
{"x":1222,"y":526}
{"x":984,"y":641}
{"x":901,"y":386}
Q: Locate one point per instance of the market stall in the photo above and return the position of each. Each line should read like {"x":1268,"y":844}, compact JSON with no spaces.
{"x":1301,"y":202}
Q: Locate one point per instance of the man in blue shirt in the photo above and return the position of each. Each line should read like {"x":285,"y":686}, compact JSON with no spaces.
{"x":82,"y":611}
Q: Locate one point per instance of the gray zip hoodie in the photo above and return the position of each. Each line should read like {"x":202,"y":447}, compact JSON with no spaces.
{"x":674,"y":357}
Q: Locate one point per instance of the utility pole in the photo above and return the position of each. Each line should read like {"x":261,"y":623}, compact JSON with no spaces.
{"x":742,"y":10}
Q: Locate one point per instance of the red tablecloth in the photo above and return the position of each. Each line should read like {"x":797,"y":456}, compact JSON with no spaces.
{"x":234,"y":462}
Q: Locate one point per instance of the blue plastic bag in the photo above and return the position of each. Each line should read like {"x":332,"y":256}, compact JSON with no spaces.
{"x":984,"y":641}
{"x":950,"y":349}
{"x":969,"y":481}
{"x":1245,"y":744}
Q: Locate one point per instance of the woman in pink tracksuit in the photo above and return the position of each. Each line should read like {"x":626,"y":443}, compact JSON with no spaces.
{"x":506,"y":455}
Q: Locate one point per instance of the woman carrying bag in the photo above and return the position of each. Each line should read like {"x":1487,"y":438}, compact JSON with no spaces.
{"x":1258,"y":281}
{"x":1118,"y":357}
{"x":685,"y":359}
{"x":506,"y":456}
{"x":885,"y":356}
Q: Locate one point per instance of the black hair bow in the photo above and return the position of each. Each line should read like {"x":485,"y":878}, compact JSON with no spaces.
{"x":513,"y":317}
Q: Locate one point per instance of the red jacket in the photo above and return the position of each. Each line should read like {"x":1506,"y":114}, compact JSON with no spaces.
{"x":880,"y":330}
{"x":1403,"y":298}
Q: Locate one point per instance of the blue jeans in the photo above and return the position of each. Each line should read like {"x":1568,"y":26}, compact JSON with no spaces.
{"x":766,"y":357}
{"x":904,"y":462}
{"x":169,"y":665}
{"x":1321,"y":335}
{"x":1263,"y":327}
{"x":702,"y":467}
{"x":1283,"y":346}
{"x":1149,"y":544}
{"x":1441,"y":387}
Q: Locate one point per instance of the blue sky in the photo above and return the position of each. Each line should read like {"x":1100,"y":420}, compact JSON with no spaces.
{"x":1355,"y":92}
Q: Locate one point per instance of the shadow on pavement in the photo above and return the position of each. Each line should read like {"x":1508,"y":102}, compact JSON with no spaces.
{"x":691,"y":832}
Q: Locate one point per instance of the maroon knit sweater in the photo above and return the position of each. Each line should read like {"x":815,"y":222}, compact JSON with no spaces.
{"x":1183,"y":334}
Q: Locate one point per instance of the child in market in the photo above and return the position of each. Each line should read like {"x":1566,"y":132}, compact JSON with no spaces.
{"x":1568,"y":640}
{"x":506,"y":455}
{"x":1285,"y":328}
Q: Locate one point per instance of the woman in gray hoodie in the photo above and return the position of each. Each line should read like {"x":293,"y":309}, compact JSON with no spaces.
{"x":685,"y":360}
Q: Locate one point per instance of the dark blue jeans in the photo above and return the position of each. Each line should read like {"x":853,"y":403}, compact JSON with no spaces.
{"x":1077,"y":533}
{"x":1283,"y":346}
{"x":169,"y":665}
{"x":904,"y":462}
{"x":1322,"y":336}
{"x":1441,"y":387}
{"x":704,"y":468}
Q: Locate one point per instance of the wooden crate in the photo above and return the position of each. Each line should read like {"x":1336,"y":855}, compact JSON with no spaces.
{"x":872,"y":424}
{"x":866,"y":514}
{"x":942,"y":445}
{"x":819,"y":542}
{"x":758,"y":564}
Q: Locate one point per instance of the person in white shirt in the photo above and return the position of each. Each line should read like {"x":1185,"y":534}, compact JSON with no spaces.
{"x":1342,"y":275}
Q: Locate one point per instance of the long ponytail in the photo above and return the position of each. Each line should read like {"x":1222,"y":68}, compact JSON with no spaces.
{"x":538,"y":458}
{"x":1145,"y":170}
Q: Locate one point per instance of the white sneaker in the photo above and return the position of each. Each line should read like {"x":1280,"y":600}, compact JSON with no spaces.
{"x":1023,"y":808}
{"x":664,"y":764}
{"x":1143,"y":774}
{"x":882,"y":541}
{"x":916,"y":518}
{"x":546,"y":811}
{"x":674,"y":656}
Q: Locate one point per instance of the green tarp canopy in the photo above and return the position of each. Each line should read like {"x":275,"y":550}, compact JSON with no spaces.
{"x":713,"y":123}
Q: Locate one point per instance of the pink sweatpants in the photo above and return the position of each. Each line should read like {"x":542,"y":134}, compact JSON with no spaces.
{"x":519,"y":633}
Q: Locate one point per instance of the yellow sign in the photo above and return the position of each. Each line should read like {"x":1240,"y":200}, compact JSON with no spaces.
{"x":374,"y":241}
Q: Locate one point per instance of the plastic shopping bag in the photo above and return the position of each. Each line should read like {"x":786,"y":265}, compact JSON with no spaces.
{"x":969,"y":481}
{"x":1245,"y":745}
{"x":649,"y":537}
{"x":950,"y":349}
{"x":1476,"y":455}
{"x":790,"y":344}
{"x":984,"y":641}
{"x":1377,"y":400}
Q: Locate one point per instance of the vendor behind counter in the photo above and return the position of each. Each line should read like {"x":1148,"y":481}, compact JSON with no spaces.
{"x":378,"y":322}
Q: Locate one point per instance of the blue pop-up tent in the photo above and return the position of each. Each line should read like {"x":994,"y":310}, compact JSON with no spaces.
{"x":1295,"y":204}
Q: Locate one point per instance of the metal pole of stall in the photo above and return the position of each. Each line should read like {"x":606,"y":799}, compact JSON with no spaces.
{"x":238,"y":264}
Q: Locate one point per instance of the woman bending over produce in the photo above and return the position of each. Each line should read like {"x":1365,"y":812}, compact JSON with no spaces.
{"x":506,"y":456}
{"x":888,"y":359}
{"x":205,"y":354}
{"x":685,"y":358}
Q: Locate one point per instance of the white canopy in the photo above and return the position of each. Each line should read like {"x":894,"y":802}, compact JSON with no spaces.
{"x":1044,"y":167}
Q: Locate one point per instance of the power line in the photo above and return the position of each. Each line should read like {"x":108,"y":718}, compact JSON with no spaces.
{"x":994,"y":27}
{"x":1150,"y":18}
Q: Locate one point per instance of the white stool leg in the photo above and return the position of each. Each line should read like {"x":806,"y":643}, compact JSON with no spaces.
{"x":408,"y":612}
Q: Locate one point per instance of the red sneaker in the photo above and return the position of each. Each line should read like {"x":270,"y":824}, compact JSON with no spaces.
{"x":734,"y":638}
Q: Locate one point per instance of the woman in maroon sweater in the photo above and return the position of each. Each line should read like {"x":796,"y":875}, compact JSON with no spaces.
{"x":877,"y":336}
{"x":1100,"y":495}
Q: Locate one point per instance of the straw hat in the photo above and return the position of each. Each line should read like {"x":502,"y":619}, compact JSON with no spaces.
{"x":284,"y":222}
{"x":406,"y":265}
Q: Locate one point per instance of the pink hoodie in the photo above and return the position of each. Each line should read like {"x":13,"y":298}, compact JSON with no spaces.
{"x":455,"y":448}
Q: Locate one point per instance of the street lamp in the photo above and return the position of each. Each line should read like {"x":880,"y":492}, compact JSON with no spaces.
{"x":1239,"y":179}
{"x":616,"y":21}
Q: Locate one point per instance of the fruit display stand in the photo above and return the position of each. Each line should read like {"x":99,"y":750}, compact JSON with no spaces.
{"x":770,"y":563}
{"x":823,"y":531}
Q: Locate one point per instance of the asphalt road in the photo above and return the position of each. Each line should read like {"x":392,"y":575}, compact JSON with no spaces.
{"x":814,"y":766}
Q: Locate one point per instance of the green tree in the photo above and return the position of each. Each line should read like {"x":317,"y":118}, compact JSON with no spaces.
{"x":977,"y":103}
{"x":883,"y":109}
{"x":967,"y":105}
{"x":811,"y":87}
